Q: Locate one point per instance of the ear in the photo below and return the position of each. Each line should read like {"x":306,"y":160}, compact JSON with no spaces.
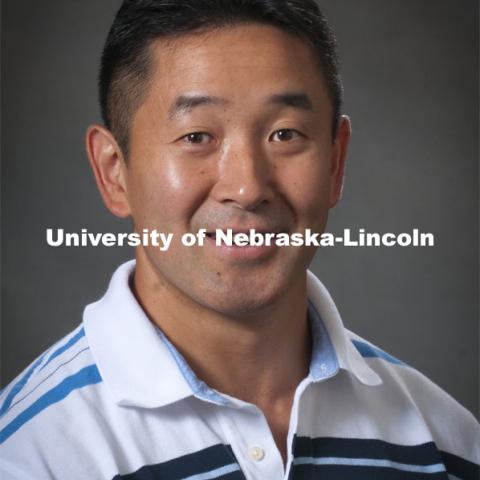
{"x":108,"y":165}
{"x":339,"y":155}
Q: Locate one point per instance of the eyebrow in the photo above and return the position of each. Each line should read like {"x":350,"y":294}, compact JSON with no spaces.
{"x":186,"y":103}
{"x":292,"y":99}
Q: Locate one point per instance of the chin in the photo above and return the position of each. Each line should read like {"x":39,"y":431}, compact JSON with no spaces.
{"x":242,"y":307}
{"x":244,"y":297}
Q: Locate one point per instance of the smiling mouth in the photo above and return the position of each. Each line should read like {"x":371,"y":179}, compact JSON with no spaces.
{"x":242,"y":237}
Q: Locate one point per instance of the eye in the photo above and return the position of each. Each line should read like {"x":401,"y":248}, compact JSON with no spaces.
{"x":285,"y":135}
{"x":197,"y":138}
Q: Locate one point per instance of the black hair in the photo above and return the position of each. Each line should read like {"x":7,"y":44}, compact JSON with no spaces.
{"x":126,"y":60}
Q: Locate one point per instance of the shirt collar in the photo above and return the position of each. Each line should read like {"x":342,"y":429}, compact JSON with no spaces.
{"x":327,"y":324}
{"x":142,"y":368}
{"x":132,"y":359}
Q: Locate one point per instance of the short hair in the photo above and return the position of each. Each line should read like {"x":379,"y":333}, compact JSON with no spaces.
{"x":125,"y":63}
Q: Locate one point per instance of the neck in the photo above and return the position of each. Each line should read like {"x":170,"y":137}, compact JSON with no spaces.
{"x":259,"y":358}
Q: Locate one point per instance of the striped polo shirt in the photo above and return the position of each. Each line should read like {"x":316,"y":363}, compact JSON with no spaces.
{"x":115,"y":400}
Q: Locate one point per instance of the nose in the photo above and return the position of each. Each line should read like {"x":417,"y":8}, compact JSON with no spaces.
{"x":245,"y":177}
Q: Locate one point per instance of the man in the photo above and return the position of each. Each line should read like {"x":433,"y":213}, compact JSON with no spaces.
{"x":213,"y":361}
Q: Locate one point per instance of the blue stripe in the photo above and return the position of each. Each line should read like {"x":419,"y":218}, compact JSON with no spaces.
{"x":22,"y":382}
{"x":46,"y":378}
{"x":87,"y":376}
{"x":80,"y":334}
{"x":370,"y":462}
{"x":369,"y":351}
{"x":19,"y":385}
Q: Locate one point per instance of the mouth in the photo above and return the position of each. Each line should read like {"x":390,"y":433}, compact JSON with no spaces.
{"x":242,"y":238}
{"x":242,"y":246}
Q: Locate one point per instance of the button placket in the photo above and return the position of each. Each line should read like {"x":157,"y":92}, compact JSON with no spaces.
{"x":252,"y":442}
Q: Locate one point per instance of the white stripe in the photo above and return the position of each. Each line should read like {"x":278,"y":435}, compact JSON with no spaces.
{"x":453,"y":477}
{"x":370,"y":462}
{"x":214,"y":473}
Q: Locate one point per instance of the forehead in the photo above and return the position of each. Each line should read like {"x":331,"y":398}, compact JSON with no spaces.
{"x":240,"y":63}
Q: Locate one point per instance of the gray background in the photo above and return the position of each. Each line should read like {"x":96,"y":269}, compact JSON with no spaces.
{"x":410,"y":73}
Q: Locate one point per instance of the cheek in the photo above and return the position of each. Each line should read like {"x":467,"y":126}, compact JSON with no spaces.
{"x":307,"y":185}
{"x":166,"y":190}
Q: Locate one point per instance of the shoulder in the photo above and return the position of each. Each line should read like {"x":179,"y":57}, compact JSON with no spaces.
{"x":51,"y":386}
{"x":454,"y":429}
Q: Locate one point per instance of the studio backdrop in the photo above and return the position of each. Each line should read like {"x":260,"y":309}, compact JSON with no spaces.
{"x":411,"y":90}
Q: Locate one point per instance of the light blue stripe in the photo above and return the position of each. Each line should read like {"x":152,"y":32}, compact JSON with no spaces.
{"x":324,"y":362}
{"x":370,"y":462}
{"x":87,"y":376}
{"x":199,"y":387}
{"x":80,"y":334}
{"x":22,"y":382}
{"x":214,"y":473}
{"x":369,"y":351}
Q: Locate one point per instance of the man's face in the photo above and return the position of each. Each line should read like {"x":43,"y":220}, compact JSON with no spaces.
{"x":234,"y":132}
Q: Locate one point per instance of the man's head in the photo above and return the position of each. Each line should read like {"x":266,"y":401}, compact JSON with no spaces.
{"x":231,"y":129}
{"x":127,"y":60}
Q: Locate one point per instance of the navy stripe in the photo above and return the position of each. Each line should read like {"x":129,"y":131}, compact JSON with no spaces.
{"x":369,"y":351}
{"x":421,"y":454}
{"x":343,"y":472}
{"x":461,"y":468}
{"x":80,"y":334}
{"x":366,"y":459}
{"x":87,"y":376}
{"x":206,"y":463}
{"x":22,"y":382}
